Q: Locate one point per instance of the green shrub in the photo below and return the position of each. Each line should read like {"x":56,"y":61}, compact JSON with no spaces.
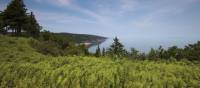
{"x":46,"y":47}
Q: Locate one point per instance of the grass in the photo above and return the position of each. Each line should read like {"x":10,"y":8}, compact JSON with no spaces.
{"x":23,"y":67}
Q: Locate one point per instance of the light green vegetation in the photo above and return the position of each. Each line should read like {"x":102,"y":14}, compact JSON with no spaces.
{"x":22,"y":67}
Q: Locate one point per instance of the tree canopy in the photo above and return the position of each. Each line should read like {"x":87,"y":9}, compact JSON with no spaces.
{"x":16,"y":20}
{"x":116,"y":49}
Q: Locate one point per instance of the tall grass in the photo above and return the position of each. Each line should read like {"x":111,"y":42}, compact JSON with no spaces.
{"x":22,"y":67}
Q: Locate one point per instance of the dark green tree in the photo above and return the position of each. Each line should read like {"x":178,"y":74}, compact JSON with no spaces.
{"x":32,"y":26}
{"x":142,"y":56}
{"x":14,"y":16}
{"x":134,"y":53}
{"x":192,"y":51}
{"x":175,"y":52}
{"x":86,"y":52}
{"x":46,"y":35}
{"x":117,"y":49}
{"x":1,"y":23}
{"x":103,"y":52}
{"x":152,"y":54}
{"x":161,"y":52}
{"x":98,"y":52}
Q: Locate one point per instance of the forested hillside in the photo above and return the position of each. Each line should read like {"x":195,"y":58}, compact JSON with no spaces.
{"x":83,"y":38}
{"x":23,"y":67}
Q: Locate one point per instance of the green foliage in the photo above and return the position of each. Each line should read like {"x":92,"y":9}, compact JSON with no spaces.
{"x":15,"y":19}
{"x":152,"y":54}
{"x":175,"y":52}
{"x":98,"y":52}
{"x":21,"y":66}
{"x":1,"y":23}
{"x":161,"y":51}
{"x":192,"y":51}
{"x":14,"y":16}
{"x":32,"y":26}
{"x":47,"y":47}
{"x":117,"y":49}
{"x":134,"y":54}
{"x":81,"y":38}
{"x":53,"y":45}
{"x":103,"y":52}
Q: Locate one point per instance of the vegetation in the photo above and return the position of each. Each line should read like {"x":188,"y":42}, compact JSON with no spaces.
{"x":23,"y":67}
{"x":98,"y":52}
{"x":16,"y":20}
{"x":116,"y":49}
{"x":55,"y":45}
{"x":81,"y":38}
{"x":41,"y":59}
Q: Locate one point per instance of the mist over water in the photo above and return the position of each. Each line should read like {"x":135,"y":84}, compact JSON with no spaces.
{"x":145,"y":44}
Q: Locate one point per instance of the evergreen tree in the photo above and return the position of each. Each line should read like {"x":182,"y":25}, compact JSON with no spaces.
{"x":98,"y":52}
{"x":32,"y":26}
{"x":103,"y":52}
{"x":117,"y":48}
{"x":192,"y":51}
{"x":161,"y":52}
{"x":175,"y":52}
{"x":134,"y":53}
{"x":1,"y":23}
{"x":152,"y":54}
{"x":15,"y":16}
{"x":142,"y":56}
{"x":86,"y":52}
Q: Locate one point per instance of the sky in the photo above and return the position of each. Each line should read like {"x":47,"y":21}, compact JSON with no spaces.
{"x":128,"y":19}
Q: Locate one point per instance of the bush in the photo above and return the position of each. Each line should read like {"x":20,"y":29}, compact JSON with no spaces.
{"x":46,"y":47}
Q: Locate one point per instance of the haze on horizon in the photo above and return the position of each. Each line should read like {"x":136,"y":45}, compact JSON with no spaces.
{"x":128,"y":19}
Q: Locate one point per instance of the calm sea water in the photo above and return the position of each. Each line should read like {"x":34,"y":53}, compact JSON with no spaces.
{"x":144,"y":45}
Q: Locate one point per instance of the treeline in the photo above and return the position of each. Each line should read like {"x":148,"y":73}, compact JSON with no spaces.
{"x":57,"y":45}
{"x":81,"y":38}
{"x":190,"y":52}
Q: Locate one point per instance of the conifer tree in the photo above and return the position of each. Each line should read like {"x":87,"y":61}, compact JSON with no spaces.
{"x":103,"y":52}
{"x":134,"y":53}
{"x":32,"y":26}
{"x":1,"y":23}
{"x":161,"y":52}
{"x":117,"y":49}
{"x":15,"y":16}
{"x":98,"y":52}
{"x":152,"y":54}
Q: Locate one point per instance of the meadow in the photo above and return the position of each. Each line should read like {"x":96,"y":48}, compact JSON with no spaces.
{"x":21,"y":66}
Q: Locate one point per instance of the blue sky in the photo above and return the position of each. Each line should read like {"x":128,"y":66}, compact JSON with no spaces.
{"x":130,"y":19}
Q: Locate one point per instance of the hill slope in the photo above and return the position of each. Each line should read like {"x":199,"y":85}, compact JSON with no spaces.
{"x":83,"y":38}
{"x":22,"y":67}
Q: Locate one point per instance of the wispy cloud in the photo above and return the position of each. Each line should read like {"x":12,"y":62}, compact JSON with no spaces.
{"x":161,"y":11}
{"x":58,"y":18}
{"x":71,"y":4}
{"x":56,"y":2}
